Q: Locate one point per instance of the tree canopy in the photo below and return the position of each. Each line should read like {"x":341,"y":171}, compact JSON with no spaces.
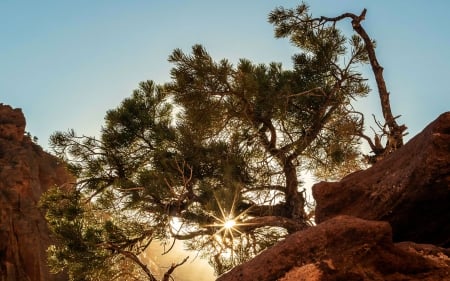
{"x":216,"y":156}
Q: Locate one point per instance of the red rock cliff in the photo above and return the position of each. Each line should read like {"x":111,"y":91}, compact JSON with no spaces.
{"x":26,"y":171}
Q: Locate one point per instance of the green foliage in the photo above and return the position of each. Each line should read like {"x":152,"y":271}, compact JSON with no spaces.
{"x":89,"y":239}
{"x":217,"y":142}
{"x":80,"y":240}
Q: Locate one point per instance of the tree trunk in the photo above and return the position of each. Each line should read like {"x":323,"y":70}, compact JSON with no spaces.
{"x":295,"y":202}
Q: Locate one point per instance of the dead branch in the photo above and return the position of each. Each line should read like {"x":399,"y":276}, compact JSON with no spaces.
{"x":396,"y":132}
{"x":172,"y":268}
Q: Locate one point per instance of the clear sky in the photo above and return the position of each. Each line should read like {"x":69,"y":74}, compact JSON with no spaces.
{"x":65,"y":63}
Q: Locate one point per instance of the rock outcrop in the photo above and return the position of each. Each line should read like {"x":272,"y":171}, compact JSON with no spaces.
{"x":372,"y":224}
{"x":410,"y":189}
{"x":26,"y":171}
{"x":345,"y":248}
{"x":12,"y":123}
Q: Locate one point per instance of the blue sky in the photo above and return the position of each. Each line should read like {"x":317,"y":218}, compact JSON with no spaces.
{"x":65,"y":63}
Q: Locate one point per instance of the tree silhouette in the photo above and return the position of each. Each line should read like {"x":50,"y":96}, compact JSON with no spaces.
{"x":215,"y":157}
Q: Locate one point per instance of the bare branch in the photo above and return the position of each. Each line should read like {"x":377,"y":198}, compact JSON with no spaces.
{"x":308,"y":92}
{"x":396,"y":132}
{"x":133,"y":258}
{"x":170,"y":248}
{"x":172,"y":268}
{"x":189,"y":235}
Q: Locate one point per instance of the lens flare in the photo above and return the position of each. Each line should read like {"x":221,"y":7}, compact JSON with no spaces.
{"x":229,"y":224}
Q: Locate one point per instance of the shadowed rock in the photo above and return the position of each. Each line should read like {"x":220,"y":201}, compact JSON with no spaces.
{"x":344,"y":248}
{"x":405,"y":197}
{"x":410,"y":188}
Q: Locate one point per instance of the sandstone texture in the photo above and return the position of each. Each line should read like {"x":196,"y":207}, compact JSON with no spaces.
{"x":345,"y":248}
{"x":410,"y":189}
{"x":26,"y":171}
{"x":12,"y":123}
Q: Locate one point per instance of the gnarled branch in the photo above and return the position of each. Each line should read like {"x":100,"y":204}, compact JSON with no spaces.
{"x":396,"y":132}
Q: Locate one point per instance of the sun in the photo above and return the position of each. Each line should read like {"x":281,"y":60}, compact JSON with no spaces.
{"x":226,"y":225}
{"x":229,"y":224}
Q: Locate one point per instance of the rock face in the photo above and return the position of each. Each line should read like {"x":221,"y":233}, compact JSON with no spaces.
{"x":12,"y":123}
{"x":26,"y":171}
{"x":345,"y":248}
{"x":410,"y":189}
{"x":370,"y":224}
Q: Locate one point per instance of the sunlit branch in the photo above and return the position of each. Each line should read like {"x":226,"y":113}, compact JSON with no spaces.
{"x":172,"y":268}
{"x":189,"y":235}
{"x":170,"y":248}
{"x":133,"y":258}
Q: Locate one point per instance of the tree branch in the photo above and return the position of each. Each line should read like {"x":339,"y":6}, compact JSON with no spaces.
{"x":172,"y":268}
{"x":275,"y":221}
{"x":396,"y":132}
{"x":132,"y":257}
{"x":189,"y":235}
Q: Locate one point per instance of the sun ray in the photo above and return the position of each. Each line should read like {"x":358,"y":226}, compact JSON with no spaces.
{"x":220,"y":206}
{"x":228,"y":224}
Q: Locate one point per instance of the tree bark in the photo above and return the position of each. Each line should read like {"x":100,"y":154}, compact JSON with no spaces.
{"x":295,"y":202}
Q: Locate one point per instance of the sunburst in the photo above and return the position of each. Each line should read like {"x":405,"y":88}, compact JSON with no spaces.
{"x":228,"y":223}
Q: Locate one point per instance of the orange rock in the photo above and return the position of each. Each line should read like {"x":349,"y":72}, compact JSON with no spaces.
{"x":344,"y":248}
{"x":26,"y":171}
{"x":409,"y":189}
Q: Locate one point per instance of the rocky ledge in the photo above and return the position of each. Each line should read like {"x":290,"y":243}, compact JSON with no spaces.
{"x":390,"y":222}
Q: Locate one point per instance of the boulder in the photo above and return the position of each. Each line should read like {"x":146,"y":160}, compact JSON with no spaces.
{"x":410,"y":189}
{"x":344,"y":248}
{"x":26,"y":171}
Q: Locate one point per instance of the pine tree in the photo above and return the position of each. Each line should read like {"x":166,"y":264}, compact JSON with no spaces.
{"x":214,"y":157}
